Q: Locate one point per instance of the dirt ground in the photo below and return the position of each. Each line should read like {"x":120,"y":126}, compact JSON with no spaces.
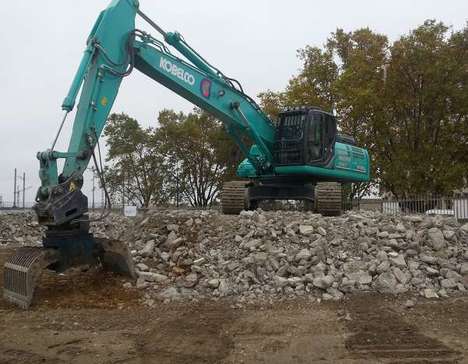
{"x":90,"y":318}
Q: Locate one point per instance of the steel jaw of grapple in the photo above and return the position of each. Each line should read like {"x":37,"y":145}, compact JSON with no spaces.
{"x":62,"y":250}
{"x":22,"y":271}
{"x":115,"y":256}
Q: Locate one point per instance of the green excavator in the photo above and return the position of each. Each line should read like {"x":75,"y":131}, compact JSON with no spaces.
{"x":299,"y":156}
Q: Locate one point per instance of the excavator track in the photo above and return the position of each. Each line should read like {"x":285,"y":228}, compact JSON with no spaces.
{"x":22,"y":272}
{"x":328,"y":198}
{"x":233,"y":197}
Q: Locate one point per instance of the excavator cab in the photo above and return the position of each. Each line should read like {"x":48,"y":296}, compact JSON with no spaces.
{"x":305,"y":136}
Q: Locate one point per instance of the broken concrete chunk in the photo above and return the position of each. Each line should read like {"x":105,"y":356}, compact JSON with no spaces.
{"x":306,"y":229}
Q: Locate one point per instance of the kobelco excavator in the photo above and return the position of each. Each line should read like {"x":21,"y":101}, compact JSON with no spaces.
{"x":299,"y":156}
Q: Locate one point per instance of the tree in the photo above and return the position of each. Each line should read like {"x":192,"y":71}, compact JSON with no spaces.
{"x":362,"y":56}
{"x":405,"y":102}
{"x":136,"y":170}
{"x":426,"y":110}
{"x":311,"y":87}
{"x":186,"y":159}
{"x":198,"y":155}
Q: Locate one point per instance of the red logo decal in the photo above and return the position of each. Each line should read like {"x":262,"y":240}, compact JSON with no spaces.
{"x":205,"y":88}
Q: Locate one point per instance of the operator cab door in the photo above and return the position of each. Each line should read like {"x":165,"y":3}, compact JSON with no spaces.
{"x":305,"y":137}
{"x":320,"y":134}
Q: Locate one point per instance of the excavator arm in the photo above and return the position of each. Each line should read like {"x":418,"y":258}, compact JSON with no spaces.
{"x":114,"y":49}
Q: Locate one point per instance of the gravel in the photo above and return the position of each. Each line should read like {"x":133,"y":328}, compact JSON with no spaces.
{"x":190,"y":254}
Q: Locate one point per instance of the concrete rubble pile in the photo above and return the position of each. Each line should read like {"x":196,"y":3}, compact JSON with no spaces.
{"x":264,"y":255}
{"x":19,"y":228}
{"x":191,"y":255}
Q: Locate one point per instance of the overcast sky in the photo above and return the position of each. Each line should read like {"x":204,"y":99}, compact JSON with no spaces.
{"x":254,"y":41}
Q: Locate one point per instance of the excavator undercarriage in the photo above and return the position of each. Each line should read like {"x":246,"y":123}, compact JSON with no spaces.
{"x":323,"y":197}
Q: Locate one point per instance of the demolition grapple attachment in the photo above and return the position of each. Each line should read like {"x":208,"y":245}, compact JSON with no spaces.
{"x":62,"y":250}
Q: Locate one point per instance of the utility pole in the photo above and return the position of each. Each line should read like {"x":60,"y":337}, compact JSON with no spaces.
{"x":21,"y":191}
{"x":24,"y":187}
{"x":14,"y":193}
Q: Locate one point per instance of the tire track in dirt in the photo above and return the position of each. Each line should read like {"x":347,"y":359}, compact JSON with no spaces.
{"x":192,"y":337}
{"x":381,"y":333}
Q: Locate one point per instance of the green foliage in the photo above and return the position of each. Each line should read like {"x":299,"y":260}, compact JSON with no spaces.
{"x":136,"y":172}
{"x":311,"y":87}
{"x":185,"y":159}
{"x":426,"y":145}
{"x":199,"y":156}
{"x":406,"y":102}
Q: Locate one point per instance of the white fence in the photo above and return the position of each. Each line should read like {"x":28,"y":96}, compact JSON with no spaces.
{"x":457,"y":207}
